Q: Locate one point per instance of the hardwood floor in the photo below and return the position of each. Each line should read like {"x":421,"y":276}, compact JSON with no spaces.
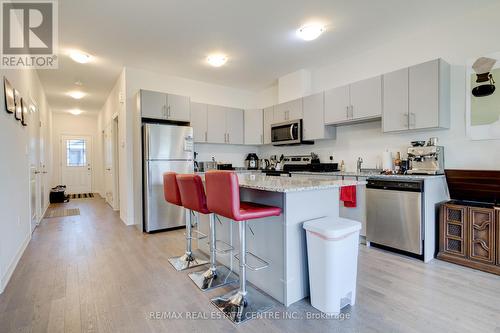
{"x":92,"y":273}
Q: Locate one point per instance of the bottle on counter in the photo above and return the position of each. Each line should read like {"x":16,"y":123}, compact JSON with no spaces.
{"x":342,"y":166}
{"x":397,"y":163}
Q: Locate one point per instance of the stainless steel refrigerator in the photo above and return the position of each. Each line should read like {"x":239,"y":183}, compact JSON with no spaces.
{"x":165,"y":148}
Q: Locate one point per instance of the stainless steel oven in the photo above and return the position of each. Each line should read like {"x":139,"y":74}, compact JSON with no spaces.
{"x":287,"y":133}
{"x":394,"y":210}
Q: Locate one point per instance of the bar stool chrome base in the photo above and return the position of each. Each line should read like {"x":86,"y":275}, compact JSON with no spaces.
{"x":187,"y":261}
{"x":208,"y":279}
{"x":239,"y":308}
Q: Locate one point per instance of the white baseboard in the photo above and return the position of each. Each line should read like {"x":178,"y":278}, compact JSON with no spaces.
{"x":8,"y":274}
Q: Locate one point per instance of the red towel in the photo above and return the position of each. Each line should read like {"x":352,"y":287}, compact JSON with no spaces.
{"x":348,"y":196}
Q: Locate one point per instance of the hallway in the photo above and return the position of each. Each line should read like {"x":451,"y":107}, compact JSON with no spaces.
{"x":92,"y":273}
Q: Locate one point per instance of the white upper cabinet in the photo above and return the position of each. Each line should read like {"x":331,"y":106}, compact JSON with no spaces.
{"x":234,"y":126}
{"x":216,"y":124}
{"x":314,"y":121}
{"x":395,"y":101}
{"x":366,"y":98}
{"x":429,"y":95}
{"x":356,"y":102}
{"x":153,"y":104}
{"x":288,"y":111}
{"x":158,"y":105}
{"x":178,"y":107}
{"x":417,"y":97}
{"x":337,"y":105}
{"x":268,"y":121}
{"x":224,"y":125}
{"x":254,"y":130}
{"x":199,"y":121}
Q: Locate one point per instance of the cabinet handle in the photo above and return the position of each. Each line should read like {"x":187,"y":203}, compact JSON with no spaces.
{"x":168,"y":111}
{"x":347,"y":112}
{"x":413,"y":123}
{"x":352,"y":111}
{"x":206,"y":136}
{"x":406,"y":120}
{"x":262,"y":138}
{"x":228,"y":140}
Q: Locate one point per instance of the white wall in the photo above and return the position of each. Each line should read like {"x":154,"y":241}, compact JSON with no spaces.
{"x":457,"y":41}
{"x":85,"y":125}
{"x":116,"y":107}
{"x":234,"y":154}
{"x":15,"y":145}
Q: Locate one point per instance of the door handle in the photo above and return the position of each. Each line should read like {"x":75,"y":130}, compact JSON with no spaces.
{"x":291,"y":132}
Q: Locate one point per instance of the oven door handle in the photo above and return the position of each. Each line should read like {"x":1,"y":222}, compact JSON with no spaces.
{"x":291,"y":132}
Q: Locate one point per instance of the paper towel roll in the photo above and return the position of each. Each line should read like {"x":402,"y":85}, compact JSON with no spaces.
{"x":387,"y":161}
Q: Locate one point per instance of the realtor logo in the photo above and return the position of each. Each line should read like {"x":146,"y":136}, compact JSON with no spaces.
{"x":29,"y":34}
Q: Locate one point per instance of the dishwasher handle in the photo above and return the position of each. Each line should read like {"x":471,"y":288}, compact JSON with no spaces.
{"x":396,"y":185}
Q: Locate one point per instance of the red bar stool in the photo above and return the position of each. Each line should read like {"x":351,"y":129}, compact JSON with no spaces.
{"x":223,"y":198}
{"x":193,"y":197}
{"x":173,"y":196}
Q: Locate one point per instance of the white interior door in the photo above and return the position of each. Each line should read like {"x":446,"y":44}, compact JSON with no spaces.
{"x":108,"y":164}
{"x":34,"y":158}
{"x":76,"y":164}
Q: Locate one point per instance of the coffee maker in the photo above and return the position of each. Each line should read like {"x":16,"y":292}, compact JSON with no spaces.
{"x":252,"y":161}
{"x":426,"y":160}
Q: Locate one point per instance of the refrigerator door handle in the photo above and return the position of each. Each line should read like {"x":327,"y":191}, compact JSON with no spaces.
{"x":146,"y":142}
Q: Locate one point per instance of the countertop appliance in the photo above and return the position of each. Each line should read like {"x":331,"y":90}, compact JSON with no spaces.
{"x":287,"y":133}
{"x":394,"y":211}
{"x":252,"y":161}
{"x":427,"y":160}
{"x":165,"y":148}
{"x":308,"y":163}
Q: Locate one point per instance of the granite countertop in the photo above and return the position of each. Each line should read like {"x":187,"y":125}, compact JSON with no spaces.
{"x":259,"y":181}
{"x":367,"y":175}
{"x":290,"y":184}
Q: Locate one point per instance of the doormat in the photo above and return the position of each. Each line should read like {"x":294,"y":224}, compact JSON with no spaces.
{"x":81,"y":195}
{"x":62,"y":212}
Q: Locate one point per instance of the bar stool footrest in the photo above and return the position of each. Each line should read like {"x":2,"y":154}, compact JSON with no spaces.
{"x":261,"y":262}
{"x":228,"y":248}
{"x":200,"y":234}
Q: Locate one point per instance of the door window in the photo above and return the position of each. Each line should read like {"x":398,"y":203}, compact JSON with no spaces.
{"x":76,"y":154}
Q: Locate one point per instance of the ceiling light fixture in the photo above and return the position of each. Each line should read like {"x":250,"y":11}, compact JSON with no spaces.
{"x":76,"y":94}
{"x":310,"y":31}
{"x":217,"y":60}
{"x":80,"y":57}
{"x":75,"y":112}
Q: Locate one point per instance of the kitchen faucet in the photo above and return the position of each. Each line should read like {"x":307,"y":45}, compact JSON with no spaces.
{"x":358,"y":165}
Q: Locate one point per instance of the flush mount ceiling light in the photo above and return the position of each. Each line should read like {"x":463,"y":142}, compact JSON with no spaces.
{"x":310,"y":31}
{"x":76,"y":94}
{"x":75,"y":112}
{"x":80,"y":57}
{"x":217,"y":60}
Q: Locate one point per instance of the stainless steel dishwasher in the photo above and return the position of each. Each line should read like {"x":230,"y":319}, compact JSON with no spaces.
{"x":395,"y":214}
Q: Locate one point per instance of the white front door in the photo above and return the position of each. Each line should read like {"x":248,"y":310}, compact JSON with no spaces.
{"x":76,"y":164}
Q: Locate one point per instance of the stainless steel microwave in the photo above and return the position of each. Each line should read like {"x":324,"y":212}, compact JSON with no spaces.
{"x":287,"y":133}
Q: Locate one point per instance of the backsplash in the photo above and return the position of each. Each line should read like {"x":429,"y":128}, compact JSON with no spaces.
{"x":234,"y":154}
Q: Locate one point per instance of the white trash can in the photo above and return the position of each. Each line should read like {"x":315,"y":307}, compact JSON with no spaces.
{"x":332,"y":251}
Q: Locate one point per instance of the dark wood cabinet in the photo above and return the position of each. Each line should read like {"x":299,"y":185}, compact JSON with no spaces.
{"x":453,"y":231}
{"x":482,"y":235}
{"x":498,"y":236}
{"x":470,"y":236}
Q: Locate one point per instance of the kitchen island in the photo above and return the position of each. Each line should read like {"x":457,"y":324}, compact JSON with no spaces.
{"x":280,"y":240}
